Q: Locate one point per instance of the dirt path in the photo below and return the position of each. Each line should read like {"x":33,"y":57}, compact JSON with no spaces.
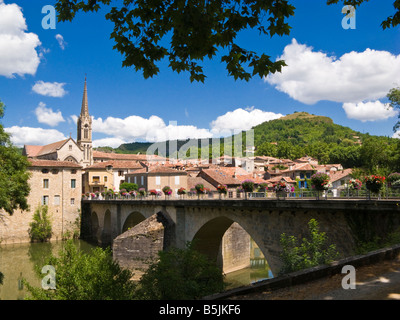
{"x":375,"y":282}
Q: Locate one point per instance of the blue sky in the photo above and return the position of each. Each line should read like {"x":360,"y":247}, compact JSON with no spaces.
{"x":342,"y":74}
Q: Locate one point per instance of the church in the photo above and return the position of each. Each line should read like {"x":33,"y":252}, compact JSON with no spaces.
{"x":78,"y":152}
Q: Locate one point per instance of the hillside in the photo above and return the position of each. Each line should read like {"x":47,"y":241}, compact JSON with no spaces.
{"x":300,"y":134}
{"x":302,"y":128}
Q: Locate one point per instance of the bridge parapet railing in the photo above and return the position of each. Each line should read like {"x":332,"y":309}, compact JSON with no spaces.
{"x":301,"y":194}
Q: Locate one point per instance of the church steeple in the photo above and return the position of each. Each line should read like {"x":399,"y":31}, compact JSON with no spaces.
{"x":84,"y":137}
{"x":85,"y":105}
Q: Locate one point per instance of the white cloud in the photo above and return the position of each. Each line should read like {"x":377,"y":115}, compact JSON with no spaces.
{"x":369,"y":111}
{"x":50,"y":89}
{"x":108,"y":142}
{"x":48,"y":116}
{"x":356,"y":76}
{"x":396,"y":135}
{"x":154,"y":129}
{"x":61,"y":41}
{"x":241,"y":119}
{"x":33,"y":136}
{"x":17,"y":47}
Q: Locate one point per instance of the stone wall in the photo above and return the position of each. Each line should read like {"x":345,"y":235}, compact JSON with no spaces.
{"x":136,"y":248}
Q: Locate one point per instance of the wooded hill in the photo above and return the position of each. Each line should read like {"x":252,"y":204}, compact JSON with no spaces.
{"x":300,"y":134}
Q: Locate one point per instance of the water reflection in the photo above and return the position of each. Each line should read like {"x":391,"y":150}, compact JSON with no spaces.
{"x":25,"y":261}
{"x":19,"y":261}
{"x":258,"y":270}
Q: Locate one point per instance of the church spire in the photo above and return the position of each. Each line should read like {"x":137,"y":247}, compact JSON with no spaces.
{"x":85,"y":105}
{"x":84,"y":137}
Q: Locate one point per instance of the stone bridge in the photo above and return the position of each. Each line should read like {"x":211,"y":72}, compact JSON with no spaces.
{"x":138,"y":229}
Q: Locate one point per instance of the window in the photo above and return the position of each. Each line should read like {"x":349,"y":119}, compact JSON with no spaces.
{"x":308,"y":175}
{"x":176,"y":180}
{"x":73,"y":171}
{"x":158,"y":180}
{"x":45,"y":183}
{"x":45,"y":170}
{"x":54,"y":171}
{"x":45,"y":200}
{"x":105,"y":178}
{"x":70,"y":147}
{"x":120,"y":173}
{"x":135,"y":179}
{"x":56,"y":200}
{"x":301,"y":175}
{"x":142,"y":180}
{"x":96,"y":179}
{"x":72,"y":201}
{"x":73,"y":183}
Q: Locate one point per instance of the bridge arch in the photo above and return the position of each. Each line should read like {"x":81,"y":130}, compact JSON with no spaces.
{"x":106,"y":233}
{"x":133,"y":219}
{"x":94,"y":224}
{"x":209,"y":239}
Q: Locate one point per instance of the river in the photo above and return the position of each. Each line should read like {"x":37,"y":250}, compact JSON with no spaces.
{"x":18,"y":261}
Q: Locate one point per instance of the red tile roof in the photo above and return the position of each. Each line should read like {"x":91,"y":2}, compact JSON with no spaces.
{"x":116,"y":164}
{"x":337,"y":175}
{"x":35,"y":151}
{"x":53,"y":164}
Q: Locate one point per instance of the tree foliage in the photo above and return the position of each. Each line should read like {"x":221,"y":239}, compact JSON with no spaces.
{"x":86,"y":276}
{"x":40,"y":228}
{"x":188,"y":31}
{"x":128,"y":186}
{"x":14,"y":186}
{"x":312,"y":251}
{"x":181,"y":274}
{"x":394,"y":98}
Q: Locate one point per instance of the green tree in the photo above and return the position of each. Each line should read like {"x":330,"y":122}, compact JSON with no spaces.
{"x":194,"y":30}
{"x":128,"y":186}
{"x":181,"y":274}
{"x":40,"y":227}
{"x":86,"y":276}
{"x":313,"y":251}
{"x":394,"y":98}
{"x":14,"y":185}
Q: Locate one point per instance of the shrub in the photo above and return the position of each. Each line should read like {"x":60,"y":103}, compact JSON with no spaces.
{"x":40,"y":228}
{"x":312,"y":251}
{"x":128,"y":186}
{"x":181,"y":274}
{"x":86,"y":276}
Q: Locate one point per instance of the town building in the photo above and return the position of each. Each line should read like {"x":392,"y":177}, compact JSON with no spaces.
{"x":158,"y":177}
{"x":108,"y":175}
{"x":56,"y":184}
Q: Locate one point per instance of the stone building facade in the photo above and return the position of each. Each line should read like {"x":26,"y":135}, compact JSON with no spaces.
{"x":56,"y":184}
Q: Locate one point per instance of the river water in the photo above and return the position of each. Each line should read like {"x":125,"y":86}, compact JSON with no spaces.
{"x":19,"y":261}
